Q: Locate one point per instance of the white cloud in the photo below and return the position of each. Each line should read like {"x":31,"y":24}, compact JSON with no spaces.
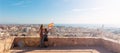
{"x":95,"y":16}
{"x":88,"y":9}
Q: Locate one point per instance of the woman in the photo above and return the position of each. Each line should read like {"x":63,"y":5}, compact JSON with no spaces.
{"x":41,"y":36}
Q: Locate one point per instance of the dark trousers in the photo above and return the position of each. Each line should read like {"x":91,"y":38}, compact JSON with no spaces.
{"x":42,"y":42}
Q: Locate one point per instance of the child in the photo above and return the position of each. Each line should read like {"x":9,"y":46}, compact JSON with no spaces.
{"x":45,"y":37}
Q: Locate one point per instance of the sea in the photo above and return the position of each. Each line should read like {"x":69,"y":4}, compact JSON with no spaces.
{"x":90,"y":25}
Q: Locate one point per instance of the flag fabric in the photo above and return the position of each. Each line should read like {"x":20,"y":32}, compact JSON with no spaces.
{"x":50,"y":25}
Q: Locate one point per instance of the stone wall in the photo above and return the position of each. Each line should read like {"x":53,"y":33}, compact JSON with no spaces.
{"x":1,"y":46}
{"x":27,"y":41}
{"x":111,"y":45}
{"x":74,"y":41}
{"x":55,"y":41}
{"x":35,"y":41}
{"x":6,"y":44}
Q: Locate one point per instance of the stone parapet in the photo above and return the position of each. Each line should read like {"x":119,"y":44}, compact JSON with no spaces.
{"x":55,"y":41}
{"x":6,"y":44}
{"x":111,"y":45}
{"x":60,"y":41}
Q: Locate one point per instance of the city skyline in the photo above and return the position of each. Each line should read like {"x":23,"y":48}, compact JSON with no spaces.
{"x":60,"y":11}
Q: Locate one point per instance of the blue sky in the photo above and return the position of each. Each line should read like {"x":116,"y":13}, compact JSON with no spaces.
{"x":60,"y":11}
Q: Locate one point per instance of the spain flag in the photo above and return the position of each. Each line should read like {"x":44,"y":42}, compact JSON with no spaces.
{"x":51,"y":25}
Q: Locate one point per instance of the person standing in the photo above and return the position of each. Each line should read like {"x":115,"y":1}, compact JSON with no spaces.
{"x":45,"y":34}
{"x":41,"y":36}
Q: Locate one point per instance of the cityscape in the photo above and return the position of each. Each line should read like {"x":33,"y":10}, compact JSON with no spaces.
{"x":59,"y":26}
{"x":59,"y":31}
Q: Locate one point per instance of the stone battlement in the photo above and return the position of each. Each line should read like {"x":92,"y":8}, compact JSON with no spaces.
{"x":64,"y":41}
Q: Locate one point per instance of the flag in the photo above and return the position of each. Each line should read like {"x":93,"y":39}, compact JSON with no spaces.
{"x":50,"y":25}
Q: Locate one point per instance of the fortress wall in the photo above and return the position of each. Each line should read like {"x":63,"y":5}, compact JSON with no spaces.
{"x":6,"y":44}
{"x":27,"y":41}
{"x":111,"y":45}
{"x":74,"y":41}
{"x":54,"y":41}
{"x":1,"y":46}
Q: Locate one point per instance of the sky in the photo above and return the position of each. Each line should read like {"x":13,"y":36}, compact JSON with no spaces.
{"x":60,"y":11}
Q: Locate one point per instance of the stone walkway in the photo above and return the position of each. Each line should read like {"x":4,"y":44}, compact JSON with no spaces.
{"x":75,"y":49}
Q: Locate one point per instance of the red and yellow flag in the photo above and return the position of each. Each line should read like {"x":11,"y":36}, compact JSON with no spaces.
{"x":50,"y":25}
